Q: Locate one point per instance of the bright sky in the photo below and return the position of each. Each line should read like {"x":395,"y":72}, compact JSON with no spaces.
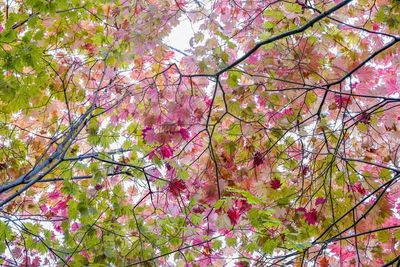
{"x":180,"y":36}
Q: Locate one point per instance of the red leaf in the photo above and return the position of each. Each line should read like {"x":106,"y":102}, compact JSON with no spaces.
{"x":54,"y":195}
{"x":258,"y":159}
{"x":234,"y":215}
{"x":311,"y":216}
{"x":301,"y":210}
{"x":323,"y":262}
{"x":184,"y":133}
{"x":242,"y":205}
{"x":342,"y":101}
{"x":275,"y":183}
{"x":357,"y":187}
{"x":176,"y":186}
{"x":320,"y":201}
{"x":242,"y":264}
{"x":166,"y":151}
{"x":98,"y":187}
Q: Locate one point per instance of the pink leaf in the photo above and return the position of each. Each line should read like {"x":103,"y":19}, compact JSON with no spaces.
{"x":149,"y":135}
{"x":166,"y":151}
{"x":184,"y":133}
{"x":320,"y":201}
{"x":311,"y":216}
{"x":54,"y":195}
{"x":75,"y":226}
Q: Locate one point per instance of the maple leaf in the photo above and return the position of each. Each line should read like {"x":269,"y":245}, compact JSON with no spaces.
{"x":234,"y":215}
{"x":275,"y":183}
{"x":184,"y":133}
{"x":357,"y":187}
{"x":254,"y":101}
{"x":242,"y":264}
{"x":242,"y":205}
{"x":74,"y":227}
{"x":54,"y":195}
{"x":364,"y":118}
{"x":323,"y":262}
{"x":166,"y":151}
{"x":311,"y":216}
{"x":176,"y":186}
{"x":320,"y":200}
{"x":199,"y":209}
{"x":207,"y":251}
{"x":258,"y":159}
{"x":98,"y":187}
{"x":342,"y":101}
{"x":149,"y":135}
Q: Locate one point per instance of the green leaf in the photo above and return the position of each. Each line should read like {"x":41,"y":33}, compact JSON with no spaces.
{"x":362,"y":127}
{"x":230,"y":241}
{"x":383,"y":236}
{"x":311,"y":98}
{"x":385,"y":174}
{"x":270,"y":245}
{"x":233,"y":79}
{"x":268,"y":25}
{"x":397,"y":235}
{"x":8,"y":36}
{"x":219,"y":203}
{"x":293,"y":7}
{"x":275,"y":99}
{"x":183,"y":174}
{"x":5,"y":231}
{"x":216,"y":244}
{"x":252,"y":199}
{"x":196,"y":219}
{"x":273,"y":13}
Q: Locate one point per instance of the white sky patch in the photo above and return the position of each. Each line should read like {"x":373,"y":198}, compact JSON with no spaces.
{"x":180,"y":36}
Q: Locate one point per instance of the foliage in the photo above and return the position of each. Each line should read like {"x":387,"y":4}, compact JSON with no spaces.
{"x":272,"y":140}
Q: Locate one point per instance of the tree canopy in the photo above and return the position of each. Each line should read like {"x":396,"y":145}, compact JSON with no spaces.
{"x":273,"y":140}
